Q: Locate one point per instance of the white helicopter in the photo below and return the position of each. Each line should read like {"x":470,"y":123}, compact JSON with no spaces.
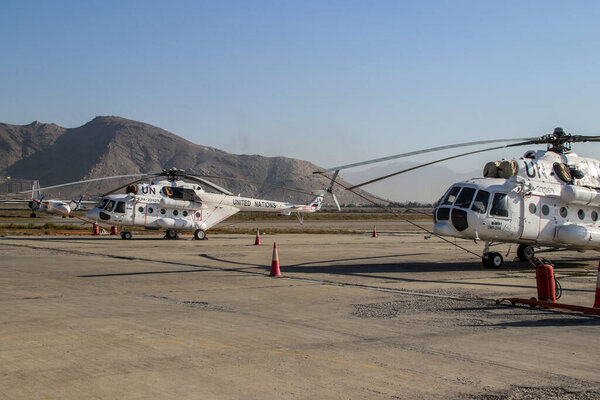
{"x":176,"y":201}
{"x":547,"y":198}
{"x":37,"y":203}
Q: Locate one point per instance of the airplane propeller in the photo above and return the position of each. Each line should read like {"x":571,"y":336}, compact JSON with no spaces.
{"x":78,"y":204}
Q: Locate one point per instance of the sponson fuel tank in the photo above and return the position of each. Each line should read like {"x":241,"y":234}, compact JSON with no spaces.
{"x":578,"y":235}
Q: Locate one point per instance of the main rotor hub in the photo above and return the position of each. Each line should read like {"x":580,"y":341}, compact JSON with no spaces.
{"x":559,"y":142}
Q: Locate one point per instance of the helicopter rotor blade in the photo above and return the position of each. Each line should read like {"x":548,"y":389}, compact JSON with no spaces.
{"x":337,"y":203}
{"x":208,"y":183}
{"x":84,"y":181}
{"x":429,"y":150}
{"x":252,"y":182}
{"x":125,"y":185}
{"x":435,"y":162}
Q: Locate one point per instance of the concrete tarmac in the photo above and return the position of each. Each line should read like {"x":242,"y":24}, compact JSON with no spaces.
{"x":353,"y":317}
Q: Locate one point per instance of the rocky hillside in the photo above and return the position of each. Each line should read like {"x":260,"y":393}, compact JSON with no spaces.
{"x":21,"y":141}
{"x":109,"y":146}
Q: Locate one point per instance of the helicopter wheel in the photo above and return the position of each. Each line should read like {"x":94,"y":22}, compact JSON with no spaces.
{"x":32,"y":215}
{"x":525,"y":252}
{"x":171,"y":234}
{"x":492,"y":260}
{"x":199,"y":234}
{"x":126,"y":235}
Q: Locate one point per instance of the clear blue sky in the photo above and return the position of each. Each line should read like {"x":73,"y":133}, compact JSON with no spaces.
{"x":327,"y":81}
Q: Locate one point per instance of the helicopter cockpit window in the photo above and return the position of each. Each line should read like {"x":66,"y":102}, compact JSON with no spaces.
{"x":500,"y":205}
{"x":110,"y":206}
{"x":465,"y":197}
{"x":102,"y":203}
{"x":481,"y":202}
{"x":120,"y":208}
{"x":451,"y":196}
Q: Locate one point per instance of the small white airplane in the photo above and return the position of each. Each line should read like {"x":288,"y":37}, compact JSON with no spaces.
{"x":37,"y":203}
{"x":176,"y":205}
{"x":547,"y":198}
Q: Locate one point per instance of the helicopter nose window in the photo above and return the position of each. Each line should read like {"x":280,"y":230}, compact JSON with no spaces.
{"x":451,"y":196}
{"x":481,"y":202}
{"x":443,"y":214}
{"x":465,"y":197}
{"x":500,"y":205}
{"x":110,"y":206}
{"x":102,"y":203}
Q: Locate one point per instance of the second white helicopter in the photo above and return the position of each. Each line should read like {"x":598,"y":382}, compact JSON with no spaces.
{"x":176,"y":201}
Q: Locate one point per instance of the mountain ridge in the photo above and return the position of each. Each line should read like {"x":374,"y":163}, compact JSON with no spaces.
{"x":112,"y":145}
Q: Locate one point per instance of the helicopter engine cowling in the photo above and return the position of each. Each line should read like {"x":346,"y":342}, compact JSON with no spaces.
{"x":180,"y":204}
{"x":580,"y":195}
{"x":578,"y":235}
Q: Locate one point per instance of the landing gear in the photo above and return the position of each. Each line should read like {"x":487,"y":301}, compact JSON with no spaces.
{"x":199,"y":234}
{"x":171,"y":234}
{"x":492,"y":260}
{"x":32,"y":215}
{"x":126,"y":235}
{"x":525,"y":252}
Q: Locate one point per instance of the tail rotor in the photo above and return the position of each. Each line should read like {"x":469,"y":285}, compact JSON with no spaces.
{"x":330,"y":190}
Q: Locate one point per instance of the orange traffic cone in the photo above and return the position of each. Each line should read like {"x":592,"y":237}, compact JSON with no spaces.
{"x":113,"y":230}
{"x":257,"y":240}
{"x":597,"y":298}
{"x":374,"y":231}
{"x":95,"y":229}
{"x":275,"y":263}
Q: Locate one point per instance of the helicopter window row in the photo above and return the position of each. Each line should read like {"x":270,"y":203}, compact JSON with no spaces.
{"x":102,"y":203}
{"x":532,"y":208}
{"x":499,"y":205}
{"x":481,"y":201}
{"x":545,"y":209}
{"x":464,"y":198}
{"x":451,"y":196}
{"x":162,"y":210}
{"x":120,"y":207}
{"x":109,"y":206}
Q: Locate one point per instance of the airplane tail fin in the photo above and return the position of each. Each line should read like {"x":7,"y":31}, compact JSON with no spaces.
{"x":35,"y":190}
{"x":317,"y":201}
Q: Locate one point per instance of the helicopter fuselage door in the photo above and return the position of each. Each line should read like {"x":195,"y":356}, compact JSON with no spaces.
{"x":530,"y":217}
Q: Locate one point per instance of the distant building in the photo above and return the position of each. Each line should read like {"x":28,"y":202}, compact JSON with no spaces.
{"x":11,"y":186}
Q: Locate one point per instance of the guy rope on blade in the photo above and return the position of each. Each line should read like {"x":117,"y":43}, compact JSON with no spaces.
{"x":526,"y":201}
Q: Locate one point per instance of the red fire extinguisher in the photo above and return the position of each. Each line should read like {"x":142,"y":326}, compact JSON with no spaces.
{"x":544,"y":276}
